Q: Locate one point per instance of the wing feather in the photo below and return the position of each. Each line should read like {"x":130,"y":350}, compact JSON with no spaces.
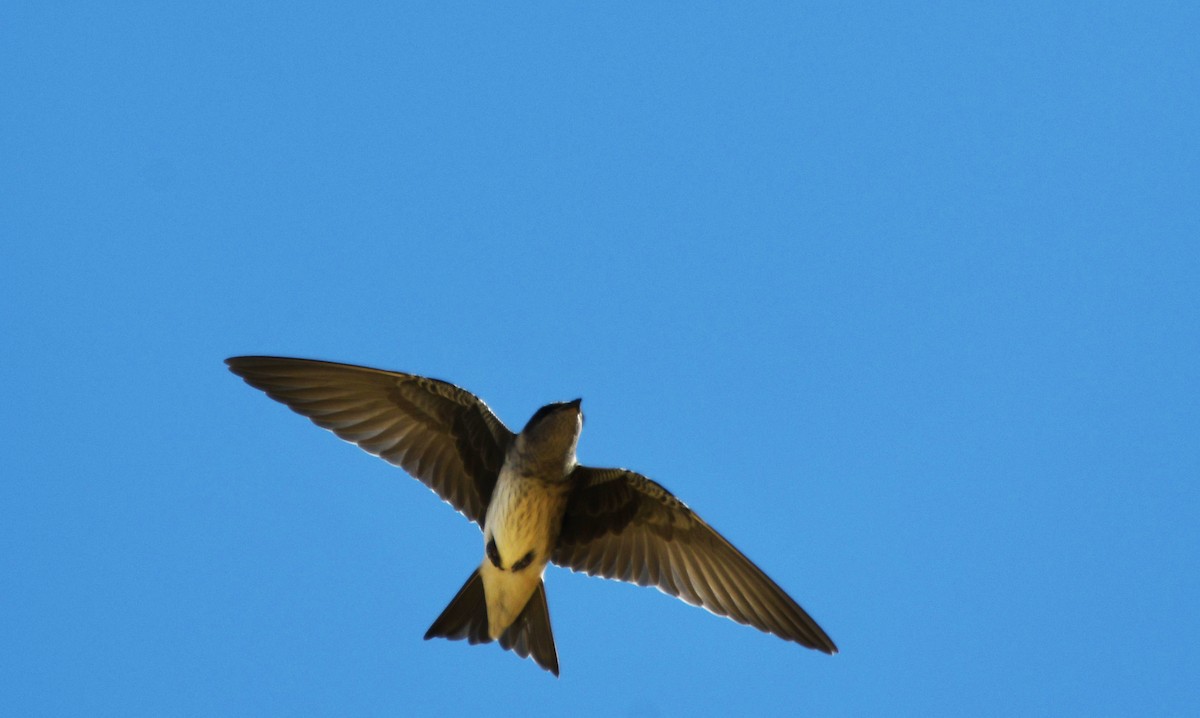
{"x":444,"y":436}
{"x":621,"y":525}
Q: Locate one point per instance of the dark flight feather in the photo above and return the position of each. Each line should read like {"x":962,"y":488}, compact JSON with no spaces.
{"x":444,"y":436}
{"x":621,"y":525}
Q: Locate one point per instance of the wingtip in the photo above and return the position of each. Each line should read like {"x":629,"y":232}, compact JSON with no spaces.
{"x":240,"y":366}
{"x":233,"y":362}
{"x":823,"y":643}
{"x":245,"y":359}
{"x":250,"y":362}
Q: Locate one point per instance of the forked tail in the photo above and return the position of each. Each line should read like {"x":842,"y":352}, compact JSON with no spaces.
{"x":466,"y":617}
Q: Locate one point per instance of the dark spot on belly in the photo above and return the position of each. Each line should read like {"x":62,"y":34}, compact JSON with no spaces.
{"x":493,"y":554}
{"x":525,"y":561}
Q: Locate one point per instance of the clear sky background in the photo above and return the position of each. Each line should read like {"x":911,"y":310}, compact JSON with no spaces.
{"x":903,"y":299}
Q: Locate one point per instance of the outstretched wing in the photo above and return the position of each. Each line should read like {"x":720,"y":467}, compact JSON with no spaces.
{"x":443,"y":435}
{"x":621,"y":525}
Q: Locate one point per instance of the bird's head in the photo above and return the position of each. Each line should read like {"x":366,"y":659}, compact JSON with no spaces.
{"x":553,"y":431}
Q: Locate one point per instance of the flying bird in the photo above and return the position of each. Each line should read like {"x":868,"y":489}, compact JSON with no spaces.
{"x":534,"y":502}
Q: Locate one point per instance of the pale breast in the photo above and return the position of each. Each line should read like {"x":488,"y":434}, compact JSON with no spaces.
{"x":524,"y":515}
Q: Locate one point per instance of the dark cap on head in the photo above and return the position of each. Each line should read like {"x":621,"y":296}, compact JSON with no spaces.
{"x":549,"y":409}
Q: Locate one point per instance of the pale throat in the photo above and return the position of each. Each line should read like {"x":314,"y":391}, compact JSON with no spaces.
{"x":542,"y":460}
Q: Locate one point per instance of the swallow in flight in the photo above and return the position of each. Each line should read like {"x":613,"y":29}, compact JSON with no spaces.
{"x":535,"y":503}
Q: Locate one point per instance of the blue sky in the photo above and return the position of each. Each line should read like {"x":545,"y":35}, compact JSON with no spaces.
{"x":901,"y":299}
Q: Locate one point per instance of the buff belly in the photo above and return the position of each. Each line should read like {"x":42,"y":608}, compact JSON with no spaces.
{"x":524,"y":515}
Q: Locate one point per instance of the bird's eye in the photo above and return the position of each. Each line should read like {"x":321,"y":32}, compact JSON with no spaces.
{"x":525,"y":561}
{"x":493,"y":554}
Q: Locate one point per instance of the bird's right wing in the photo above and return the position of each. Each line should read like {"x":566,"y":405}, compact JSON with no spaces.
{"x":621,"y":525}
{"x":443,"y":435}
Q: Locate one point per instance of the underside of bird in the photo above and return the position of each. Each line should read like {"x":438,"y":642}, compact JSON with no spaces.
{"x":609,"y":522}
{"x":467,"y":618}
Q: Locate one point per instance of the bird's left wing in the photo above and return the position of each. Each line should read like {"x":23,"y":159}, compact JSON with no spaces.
{"x":443,"y":435}
{"x":621,"y":525}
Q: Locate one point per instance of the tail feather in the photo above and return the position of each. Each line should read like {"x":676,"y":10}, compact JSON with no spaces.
{"x":531,"y":633}
{"x":466,"y":617}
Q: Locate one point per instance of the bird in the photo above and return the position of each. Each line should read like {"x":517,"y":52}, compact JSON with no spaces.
{"x":533,"y":501}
